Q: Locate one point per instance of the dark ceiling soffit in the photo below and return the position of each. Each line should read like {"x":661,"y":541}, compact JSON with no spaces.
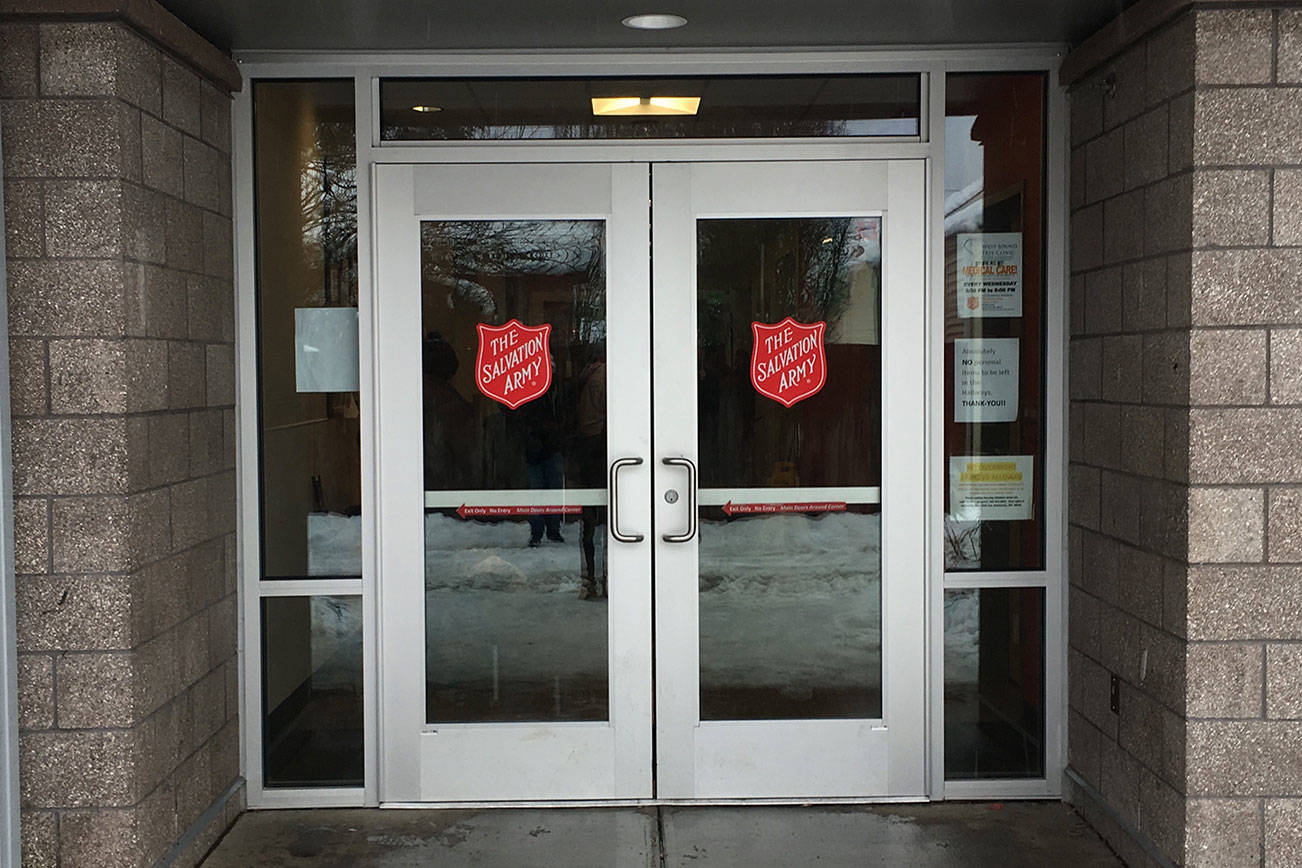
{"x":146,"y":16}
{"x":1133,"y":25}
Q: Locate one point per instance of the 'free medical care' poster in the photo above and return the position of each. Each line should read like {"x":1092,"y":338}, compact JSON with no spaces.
{"x":991,"y":487}
{"x":989,"y":274}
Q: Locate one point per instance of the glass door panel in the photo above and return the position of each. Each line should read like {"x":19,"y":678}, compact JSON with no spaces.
{"x":802,"y":579}
{"x":524,"y":303}
{"x":790,"y":550}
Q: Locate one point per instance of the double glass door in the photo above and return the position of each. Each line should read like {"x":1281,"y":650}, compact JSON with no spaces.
{"x":651,"y":470}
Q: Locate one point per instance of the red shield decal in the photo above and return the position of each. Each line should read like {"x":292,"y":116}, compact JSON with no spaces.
{"x":787,"y":362}
{"x":514,"y":364}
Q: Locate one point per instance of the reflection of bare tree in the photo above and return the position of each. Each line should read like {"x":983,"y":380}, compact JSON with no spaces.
{"x":777,"y":267}
{"x":620,"y":128}
{"x":462,"y":254}
{"x":328,"y":199}
{"x":962,"y":544}
{"x":762,"y":269}
{"x":489,"y":271}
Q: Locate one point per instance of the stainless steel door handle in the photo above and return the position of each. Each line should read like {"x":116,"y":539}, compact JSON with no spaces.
{"x":614,"y":501}
{"x":691,"y":500}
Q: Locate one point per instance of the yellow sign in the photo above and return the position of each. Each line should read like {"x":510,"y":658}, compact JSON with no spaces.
{"x":983,"y":488}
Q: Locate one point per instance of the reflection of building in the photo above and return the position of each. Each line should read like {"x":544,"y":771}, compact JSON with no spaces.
{"x":760,"y":271}
{"x":311,"y":252}
{"x":861,"y":321}
{"x":539,"y":272}
{"x":1131,"y":647}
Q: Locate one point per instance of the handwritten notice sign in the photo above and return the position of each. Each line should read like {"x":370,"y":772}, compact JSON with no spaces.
{"x":985,"y":379}
{"x":991,"y":488}
{"x":989,"y":274}
{"x":787,"y":362}
{"x":514,"y":363}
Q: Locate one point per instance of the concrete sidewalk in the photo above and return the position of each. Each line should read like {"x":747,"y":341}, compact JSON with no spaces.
{"x":1007,"y":835}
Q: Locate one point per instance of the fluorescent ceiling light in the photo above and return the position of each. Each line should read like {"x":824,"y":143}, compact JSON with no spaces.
{"x":654,"y":21}
{"x":645,"y":105}
{"x":426,"y":108}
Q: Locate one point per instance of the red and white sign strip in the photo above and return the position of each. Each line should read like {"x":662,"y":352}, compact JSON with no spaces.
{"x":731,"y":508}
{"x":514,"y":363}
{"x":515,"y":511}
{"x":787,"y":362}
{"x":550,"y":498}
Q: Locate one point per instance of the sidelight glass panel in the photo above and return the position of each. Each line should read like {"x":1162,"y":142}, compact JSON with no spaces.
{"x":306,"y":238}
{"x":994,"y":683}
{"x":789,"y":378}
{"x":312,"y":691}
{"x":731,"y":106}
{"x":994,"y":322}
{"x":514,"y":396}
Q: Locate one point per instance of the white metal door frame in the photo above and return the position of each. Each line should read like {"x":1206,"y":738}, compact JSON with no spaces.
{"x":932,"y":62}
{"x":859,"y":758}
{"x":710,"y":760}
{"x":509,"y":761}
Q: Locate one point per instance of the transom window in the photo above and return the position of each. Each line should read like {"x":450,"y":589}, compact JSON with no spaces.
{"x":717,"y":107}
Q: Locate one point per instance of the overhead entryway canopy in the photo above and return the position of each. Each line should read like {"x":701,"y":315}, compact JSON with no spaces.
{"x":370,"y":25}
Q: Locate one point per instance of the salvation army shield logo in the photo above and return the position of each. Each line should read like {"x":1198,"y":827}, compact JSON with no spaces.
{"x":787,"y":362}
{"x":514,"y":364}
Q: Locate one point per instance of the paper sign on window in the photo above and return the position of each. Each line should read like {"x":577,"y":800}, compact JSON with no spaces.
{"x":986,"y":379}
{"x":989,"y":274}
{"x":325,"y":349}
{"x":514,"y":363}
{"x":991,"y":488}
{"x":787,"y":362}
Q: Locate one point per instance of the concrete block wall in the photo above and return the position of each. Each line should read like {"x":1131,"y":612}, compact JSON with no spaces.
{"x":1222,"y":371}
{"x":1128,"y":454}
{"x":118,"y":231}
{"x":1245,"y":442}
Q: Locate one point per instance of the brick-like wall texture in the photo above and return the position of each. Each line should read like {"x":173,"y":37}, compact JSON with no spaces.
{"x":118,"y":232}
{"x":1128,"y":474}
{"x":1186,"y":446}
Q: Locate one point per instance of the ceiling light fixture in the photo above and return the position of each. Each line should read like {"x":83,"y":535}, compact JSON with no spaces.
{"x":426,"y":108}
{"x":645,"y":105}
{"x":654,"y":21}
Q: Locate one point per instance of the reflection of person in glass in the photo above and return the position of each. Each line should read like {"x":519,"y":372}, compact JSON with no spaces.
{"x":543,"y":461}
{"x":448,"y":427}
{"x":590,"y":455}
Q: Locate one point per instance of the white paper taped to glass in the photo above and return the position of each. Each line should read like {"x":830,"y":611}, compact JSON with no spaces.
{"x":325,"y":349}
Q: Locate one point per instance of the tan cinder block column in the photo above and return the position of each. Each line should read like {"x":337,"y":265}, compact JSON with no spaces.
{"x":1216,"y":777}
{"x":1129,"y":396}
{"x":1245,"y":444}
{"x":118,"y":231}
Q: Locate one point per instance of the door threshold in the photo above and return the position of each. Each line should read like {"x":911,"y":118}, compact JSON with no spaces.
{"x":656,"y":803}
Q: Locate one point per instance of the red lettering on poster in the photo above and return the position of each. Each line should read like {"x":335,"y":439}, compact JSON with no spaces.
{"x":731,"y":508}
{"x":787,"y":362}
{"x":511,"y":511}
{"x":514,"y":364}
